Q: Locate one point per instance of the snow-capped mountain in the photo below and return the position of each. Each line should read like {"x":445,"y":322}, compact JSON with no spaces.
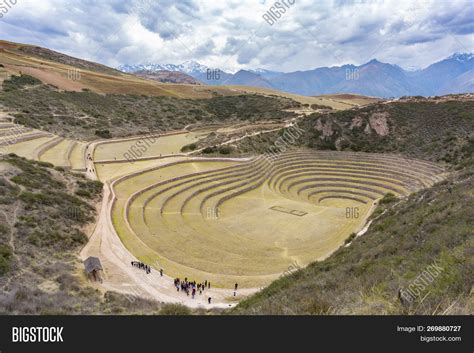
{"x":462,"y":57}
{"x":192,"y":67}
{"x":454,"y":74}
{"x":188,"y":67}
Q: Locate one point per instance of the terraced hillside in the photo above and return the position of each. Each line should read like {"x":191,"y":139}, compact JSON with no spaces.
{"x":41,"y":146}
{"x":69,"y":153}
{"x":246,"y":221}
{"x":432,"y":226}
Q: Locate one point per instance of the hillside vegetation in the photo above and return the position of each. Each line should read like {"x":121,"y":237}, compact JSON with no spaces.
{"x":54,"y":56}
{"x":44,"y":212}
{"x":84,"y":115}
{"x":439,"y":130}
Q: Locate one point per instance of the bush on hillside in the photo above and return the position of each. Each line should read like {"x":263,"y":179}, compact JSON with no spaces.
{"x":19,"y":82}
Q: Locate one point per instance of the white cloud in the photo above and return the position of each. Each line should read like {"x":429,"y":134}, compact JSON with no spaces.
{"x":232,"y":34}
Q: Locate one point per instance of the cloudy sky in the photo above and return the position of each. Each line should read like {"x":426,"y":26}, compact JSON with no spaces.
{"x":232,"y":34}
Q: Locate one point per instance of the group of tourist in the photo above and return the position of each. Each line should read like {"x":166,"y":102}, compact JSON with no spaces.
{"x":145,"y":267}
{"x":191,"y":287}
{"x":91,"y":170}
{"x":142,"y":266}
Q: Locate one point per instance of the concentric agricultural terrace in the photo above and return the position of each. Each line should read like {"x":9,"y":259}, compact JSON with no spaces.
{"x":247,"y":221}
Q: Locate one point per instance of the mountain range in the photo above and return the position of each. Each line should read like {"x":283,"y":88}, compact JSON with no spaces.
{"x":454,"y":74}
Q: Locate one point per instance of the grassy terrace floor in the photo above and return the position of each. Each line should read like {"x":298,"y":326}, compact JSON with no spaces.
{"x":154,"y":146}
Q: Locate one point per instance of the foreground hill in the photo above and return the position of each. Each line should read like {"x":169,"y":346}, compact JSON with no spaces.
{"x":45,"y":214}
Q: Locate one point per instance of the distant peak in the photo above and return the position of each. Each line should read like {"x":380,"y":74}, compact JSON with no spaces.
{"x":187,"y":67}
{"x":242,"y":71}
{"x":261,"y":71}
{"x":462,"y":57}
{"x":190,"y":66}
{"x":374,"y":61}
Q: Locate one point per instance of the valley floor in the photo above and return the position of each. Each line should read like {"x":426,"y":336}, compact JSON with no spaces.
{"x":273,"y":215}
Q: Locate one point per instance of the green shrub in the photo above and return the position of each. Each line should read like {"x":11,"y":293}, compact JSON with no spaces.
{"x":45,"y":164}
{"x":209,"y":150}
{"x":5,"y":258}
{"x":83,"y":193}
{"x":188,"y":148}
{"x":8,"y":193}
{"x":350,"y":238}
{"x":225,"y":150}
{"x":388,"y":198}
{"x":103,"y":133}
{"x":18,"y":82}
{"x":174,"y":309}
{"x":320,"y":106}
{"x":89,"y":188}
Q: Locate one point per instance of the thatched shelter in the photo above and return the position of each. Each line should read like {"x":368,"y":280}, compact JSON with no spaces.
{"x":93,"y":268}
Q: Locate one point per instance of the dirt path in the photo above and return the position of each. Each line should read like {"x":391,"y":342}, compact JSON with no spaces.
{"x":90,"y":167}
{"x":11,"y":223}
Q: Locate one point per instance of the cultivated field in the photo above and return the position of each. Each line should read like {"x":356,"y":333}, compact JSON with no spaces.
{"x":30,"y":147}
{"x":110,"y":171}
{"x":42,"y":146}
{"x":145,"y":147}
{"x":76,"y":155}
{"x":247,"y":221}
